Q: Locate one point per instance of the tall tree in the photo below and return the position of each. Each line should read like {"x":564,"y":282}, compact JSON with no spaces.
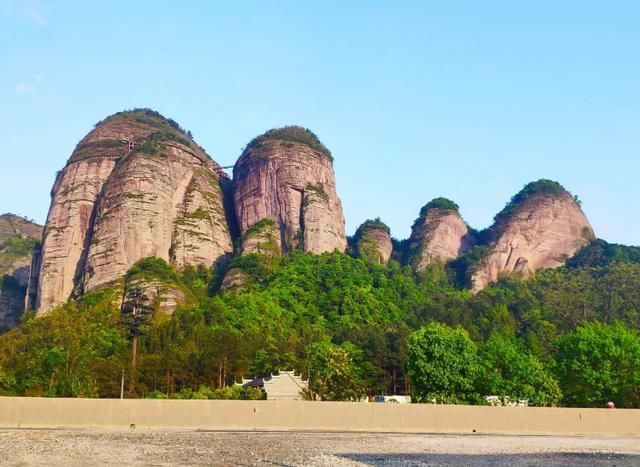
{"x":442,"y":363}
{"x":598,"y":363}
{"x":509,"y":371}
{"x":136,"y":311}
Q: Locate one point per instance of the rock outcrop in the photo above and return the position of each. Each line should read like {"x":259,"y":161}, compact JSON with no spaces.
{"x":136,"y":186}
{"x":541,"y":227}
{"x":156,"y":283}
{"x":19,"y":239}
{"x":12,"y":225}
{"x":287,"y":175}
{"x":262,"y":238}
{"x":373,"y":242}
{"x":438,"y":235}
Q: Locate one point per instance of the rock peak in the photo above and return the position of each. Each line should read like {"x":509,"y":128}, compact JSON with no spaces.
{"x":130,"y":130}
{"x":537,"y":190}
{"x":287,"y":175}
{"x":438,"y":234}
{"x":541,"y":227}
{"x":373,"y":241}
{"x":136,"y":186}
{"x":289,"y":134}
{"x":443,"y":204}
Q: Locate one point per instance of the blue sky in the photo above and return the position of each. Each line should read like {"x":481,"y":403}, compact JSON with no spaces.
{"x":468,"y":100}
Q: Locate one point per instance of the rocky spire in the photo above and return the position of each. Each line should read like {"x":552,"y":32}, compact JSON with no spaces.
{"x":373,"y":241}
{"x":135,"y":186}
{"x":287,"y":175}
{"x":541,"y":227}
{"x":438,"y":235}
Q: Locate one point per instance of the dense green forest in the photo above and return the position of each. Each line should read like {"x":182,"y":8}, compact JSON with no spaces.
{"x":568,"y":336}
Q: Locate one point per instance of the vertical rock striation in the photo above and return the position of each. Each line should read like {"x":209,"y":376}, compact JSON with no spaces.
{"x":373,"y":242}
{"x":287,"y":175}
{"x":540,"y":228}
{"x":438,"y":235}
{"x":158,"y":194}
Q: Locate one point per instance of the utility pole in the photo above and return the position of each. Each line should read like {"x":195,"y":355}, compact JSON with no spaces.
{"x":122,"y":385}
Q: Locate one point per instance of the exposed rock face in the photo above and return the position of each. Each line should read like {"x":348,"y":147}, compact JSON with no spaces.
{"x":12,"y":295}
{"x":234,"y":279}
{"x":541,"y":228}
{"x":114,"y":204}
{"x":287,"y":175}
{"x":439,"y":234}
{"x":373,"y":242}
{"x":19,"y":238}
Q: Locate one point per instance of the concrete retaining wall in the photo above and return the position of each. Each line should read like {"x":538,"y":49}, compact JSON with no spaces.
{"x":25,"y":412}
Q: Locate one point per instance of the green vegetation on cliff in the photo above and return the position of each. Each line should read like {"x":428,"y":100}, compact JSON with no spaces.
{"x":444,"y":204}
{"x":17,"y":246}
{"x":262,"y":238}
{"x":539,"y":187}
{"x":147,"y":117}
{"x":293,"y":134}
{"x":372,"y":224}
{"x":366,"y":243}
{"x":164,"y":130}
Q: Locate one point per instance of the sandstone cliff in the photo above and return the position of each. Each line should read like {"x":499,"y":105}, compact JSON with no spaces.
{"x":541,"y":227}
{"x":19,"y":238}
{"x":438,"y":235}
{"x":373,"y":242}
{"x":287,"y":175}
{"x":156,"y":194}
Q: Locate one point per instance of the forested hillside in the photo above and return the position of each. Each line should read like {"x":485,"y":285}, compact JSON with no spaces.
{"x":346,"y":324}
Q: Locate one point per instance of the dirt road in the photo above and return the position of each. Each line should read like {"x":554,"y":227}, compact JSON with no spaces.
{"x":58,"y":447}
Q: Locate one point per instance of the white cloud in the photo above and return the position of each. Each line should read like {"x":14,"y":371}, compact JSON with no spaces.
{"x":35,"y":16}
{"x":30,"y":10}
{"x":22,"y":89}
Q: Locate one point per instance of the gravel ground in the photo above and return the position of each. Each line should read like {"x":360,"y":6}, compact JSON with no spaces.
{"x":85,"y":447}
